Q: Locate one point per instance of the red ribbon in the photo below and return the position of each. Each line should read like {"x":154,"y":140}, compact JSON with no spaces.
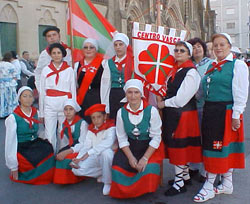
{"x":119,"y":64}
{"x":31,"y":119}
{"x":145,"y":104}
{"x":187,"y":64}
{"x":106,"y":125}
{"x":67,"y":125}
{"x":216,"y":66}
{"x":57,"y":71}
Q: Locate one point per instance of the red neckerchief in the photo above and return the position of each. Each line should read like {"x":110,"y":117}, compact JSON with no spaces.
{"x":106,"y":125}
{"x":63,"y":44}
{"x":56,"y":71}
{"x":31,"y":119}
{"x":67,"y":125}
{"x":88,"y":78}
{"x":145,"y":105}
{"x":187,"y":64}
{"x":119,"y":64}
{"x":216,"y":66}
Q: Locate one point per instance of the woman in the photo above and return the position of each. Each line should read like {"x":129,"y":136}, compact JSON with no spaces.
{"x":225,"y":88}
{"x":201,"y":62}
{"x":89,"y":72}
{"x":8,"y":86}
{"x":136,"y":165}
{"x":57,"y":84}
{"x":29,"y":158}
{"x":181,"y":136}
{"x":73,"y":134}
{"x":15,"y":61}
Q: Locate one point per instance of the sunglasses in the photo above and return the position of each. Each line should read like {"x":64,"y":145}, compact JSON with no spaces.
{"x":179,"y":50}
{"x":88,"y":48}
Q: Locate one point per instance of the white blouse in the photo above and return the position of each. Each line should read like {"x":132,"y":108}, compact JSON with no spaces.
{"x":154,"y":130}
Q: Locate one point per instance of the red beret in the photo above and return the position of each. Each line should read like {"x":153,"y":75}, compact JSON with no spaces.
{"x":95,"y":108}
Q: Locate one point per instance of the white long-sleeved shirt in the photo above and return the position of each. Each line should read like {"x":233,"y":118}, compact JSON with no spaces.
{"x":17,"y":65}
{"x":25,"y":70}
{"x":44,"y":60}
{"x":11,"y":142}
{"x":187,"y":90}
{"x":66,"y":83}
{"x":83,"y":132}
{"x":106,"y":81}
{"x":95,"y":144}
{"x":154,"y":129}
{"x":240,"y":84}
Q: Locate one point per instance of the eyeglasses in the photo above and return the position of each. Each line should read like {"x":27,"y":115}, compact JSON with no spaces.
{"x":179,"y":50}
{"x":88,"y":48}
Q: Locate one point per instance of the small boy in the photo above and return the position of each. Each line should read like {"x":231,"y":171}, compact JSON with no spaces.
{"x":96,"y":156}
{"x":73,"y":134}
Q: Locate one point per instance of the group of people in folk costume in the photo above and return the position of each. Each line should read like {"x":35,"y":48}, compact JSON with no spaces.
{"x":107,"y":130}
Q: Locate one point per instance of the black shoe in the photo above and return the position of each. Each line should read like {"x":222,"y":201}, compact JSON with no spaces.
{"x":202,"y":179}
{"x":173,"y":191}
{"x":192,"y":173}
{"x":186,"y":182}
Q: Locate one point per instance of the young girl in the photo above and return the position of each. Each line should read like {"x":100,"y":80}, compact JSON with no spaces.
{"x":96,"y":155}
{"x":57,"y":83}
{"x":30,"y":158}
{"x":73,"y":134}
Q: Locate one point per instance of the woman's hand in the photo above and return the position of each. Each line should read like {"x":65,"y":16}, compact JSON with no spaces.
{"x":235,"y":124}
{"x":60,"y":156}
{"x":142,"y":164}
{"x":133,"y":162}
{"x":161,"y":104}
{"x":14,"y":174}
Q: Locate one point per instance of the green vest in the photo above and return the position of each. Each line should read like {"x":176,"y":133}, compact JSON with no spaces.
{"x":143,"y":126}
{"x":117,"y":77}
{"x":77,"y":130}
{"x":24,"y":132}
{"x":217,"y":85}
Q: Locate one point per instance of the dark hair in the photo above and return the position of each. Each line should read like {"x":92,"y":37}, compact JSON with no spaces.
{"x":178,"y":43}
{"x":14,"y":54}
{"x":57,"y":45}
{"x":193,"y":41}
{"x":7,"y":57}
{"x":24,"y":52}
{"x":50,"y":29}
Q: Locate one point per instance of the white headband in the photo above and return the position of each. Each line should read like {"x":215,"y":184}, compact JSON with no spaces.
{"x":21,"y":90}
{"x":189,"y":47}
{"x":227,"y":37}
{"x":73,"y":103}
{"x":122,"y":37}
{"x":92,"y":41}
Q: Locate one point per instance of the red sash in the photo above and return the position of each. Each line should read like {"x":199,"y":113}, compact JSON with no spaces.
{"x":187,"y":64}
{"x":31,"y":119}
{"x":106,"y":125}
{"x":57,"y":71}
{"x":91,"y":71}
{"x":55,"y":93}
{"x":67,"y":125}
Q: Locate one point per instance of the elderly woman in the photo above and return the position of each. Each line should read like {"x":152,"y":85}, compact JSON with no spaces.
{"x":7,"y":86}
{"x":89,"y":72}
{"x":225,"y":88}
{"x":29,"y":158}
{"x":180,"y":118}
{"x":57,"y":84}
{"x":136,"y":165}
{"x":117,"y":71}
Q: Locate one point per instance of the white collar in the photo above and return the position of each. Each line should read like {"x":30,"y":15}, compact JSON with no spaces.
{"x":229,"y":57}
{"x":140,"y":107}
{"x":117,"y":59}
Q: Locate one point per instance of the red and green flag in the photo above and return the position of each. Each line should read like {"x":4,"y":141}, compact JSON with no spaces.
{"x":85,"y":21}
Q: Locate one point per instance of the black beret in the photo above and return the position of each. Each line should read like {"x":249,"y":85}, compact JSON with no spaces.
{"x":50,"y":29}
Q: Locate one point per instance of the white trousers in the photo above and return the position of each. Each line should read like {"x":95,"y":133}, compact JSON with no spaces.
{"x":96,"y":166}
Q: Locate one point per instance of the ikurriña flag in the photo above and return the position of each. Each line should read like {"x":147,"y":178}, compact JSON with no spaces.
{"x":85,"y":21}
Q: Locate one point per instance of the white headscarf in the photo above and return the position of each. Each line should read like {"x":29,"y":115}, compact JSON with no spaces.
{"x":227,"y":37}
{"x":133,"y":83}
{"x":73,"y":103}
{"x":189,"y":47}
{"x":122,"y":37}
{"x":92,"y":41}
{"x":21,"y":90}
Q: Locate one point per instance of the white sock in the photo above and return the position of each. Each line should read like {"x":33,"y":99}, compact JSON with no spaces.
{"x":186,"y":175}
{"x":209,"y":184}
{"x":228,"y":179}
{"x":178,"y":180}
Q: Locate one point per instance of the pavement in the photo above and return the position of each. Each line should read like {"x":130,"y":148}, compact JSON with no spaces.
{"x":90,"y":192}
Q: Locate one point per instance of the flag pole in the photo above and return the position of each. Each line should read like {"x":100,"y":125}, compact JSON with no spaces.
{"x":158,"y":4}
{"x":71,"y":33}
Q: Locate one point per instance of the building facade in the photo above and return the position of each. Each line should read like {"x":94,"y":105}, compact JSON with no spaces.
{"x":22,"y":21}
{"x":232,"y":17}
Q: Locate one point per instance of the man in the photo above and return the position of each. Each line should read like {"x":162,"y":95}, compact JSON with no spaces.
{"x":27,"y":67}
{"x":52,"y":35}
